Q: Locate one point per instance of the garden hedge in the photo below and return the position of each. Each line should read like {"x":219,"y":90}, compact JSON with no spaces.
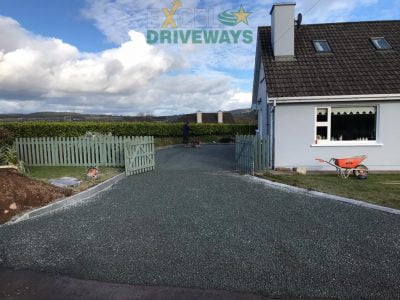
{"x":70,"y":129}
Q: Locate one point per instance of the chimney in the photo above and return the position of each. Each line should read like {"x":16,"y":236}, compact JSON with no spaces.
{"x":282,"y":30}
{"x":199,"y":117}
{"x":220,"y":116}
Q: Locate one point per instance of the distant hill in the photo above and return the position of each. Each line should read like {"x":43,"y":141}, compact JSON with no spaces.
{"x":244,"y":116}
{"x":239,"y":116}
{"x":240,"y":111}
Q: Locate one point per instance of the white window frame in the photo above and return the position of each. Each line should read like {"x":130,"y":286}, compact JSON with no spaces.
{"x":328,"y":142}
{"x":322,"y":124}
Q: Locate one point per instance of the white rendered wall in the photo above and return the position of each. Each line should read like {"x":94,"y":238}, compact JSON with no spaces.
{"x":294,"y":138}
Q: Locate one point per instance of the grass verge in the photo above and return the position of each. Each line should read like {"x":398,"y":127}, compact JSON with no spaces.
{"x":46,"y":173}
{"x":377,"y":189}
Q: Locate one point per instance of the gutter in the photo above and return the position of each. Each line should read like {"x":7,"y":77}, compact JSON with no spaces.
{"x":346,"y":98}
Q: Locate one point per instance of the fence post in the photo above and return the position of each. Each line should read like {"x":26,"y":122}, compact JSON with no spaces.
{"x":46,"y":161}
{"x":16,"y":147}
{"x":236,"y":151}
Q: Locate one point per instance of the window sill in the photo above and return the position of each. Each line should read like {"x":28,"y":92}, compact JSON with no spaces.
{"x":348,"y":144}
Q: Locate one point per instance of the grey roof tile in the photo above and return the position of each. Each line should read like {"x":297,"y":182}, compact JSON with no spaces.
{"x":354,"y":67}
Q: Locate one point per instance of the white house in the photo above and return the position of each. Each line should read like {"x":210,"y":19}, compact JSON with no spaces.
{"x":328,"y":90}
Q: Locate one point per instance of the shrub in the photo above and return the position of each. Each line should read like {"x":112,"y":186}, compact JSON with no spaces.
{"x":6,"y":136}
{"x":75,"y":129}
{"x":8,"y":157}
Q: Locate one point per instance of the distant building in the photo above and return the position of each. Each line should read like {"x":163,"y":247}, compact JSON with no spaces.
{"x":200,"y":117}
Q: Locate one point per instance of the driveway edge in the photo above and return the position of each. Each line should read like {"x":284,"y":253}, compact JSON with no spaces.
{"x":324,"y":195}
{"x":64,"y":202}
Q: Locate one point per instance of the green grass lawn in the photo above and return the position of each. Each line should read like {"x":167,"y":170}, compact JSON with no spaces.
{"x":46,"y":173}
{"x":378,"y":189}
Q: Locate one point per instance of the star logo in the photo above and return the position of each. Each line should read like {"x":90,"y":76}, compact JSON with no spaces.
{"x":241,"y":15}
{"x":231,"y":18}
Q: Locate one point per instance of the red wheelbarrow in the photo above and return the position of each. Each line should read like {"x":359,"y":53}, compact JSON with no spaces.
{"x":346,"y":166}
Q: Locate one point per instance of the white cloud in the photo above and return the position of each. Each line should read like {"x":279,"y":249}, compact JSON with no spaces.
{"x":325,"y":11}
{"x":52,"y":66}
{"x":241,"y":98}
{"x":39,"y":73}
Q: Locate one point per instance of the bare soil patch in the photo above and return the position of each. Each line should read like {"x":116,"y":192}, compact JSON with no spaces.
{"x":19,"y":192}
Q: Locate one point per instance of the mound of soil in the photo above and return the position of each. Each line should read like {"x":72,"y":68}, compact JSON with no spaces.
{"x":19,"y":192}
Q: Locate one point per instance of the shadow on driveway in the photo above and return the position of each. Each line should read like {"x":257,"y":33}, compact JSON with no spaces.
{"x":36,"y":285}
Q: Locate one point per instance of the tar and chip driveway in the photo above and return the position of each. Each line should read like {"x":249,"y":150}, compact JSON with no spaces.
{"x":193,"y":223}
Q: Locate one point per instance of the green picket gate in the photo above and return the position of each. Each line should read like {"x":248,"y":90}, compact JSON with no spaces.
{"x":139,"y":155}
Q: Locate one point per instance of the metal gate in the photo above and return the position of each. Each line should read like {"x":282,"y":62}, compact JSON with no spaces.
{"x":250,"y":154}
{"x":139,"y":155}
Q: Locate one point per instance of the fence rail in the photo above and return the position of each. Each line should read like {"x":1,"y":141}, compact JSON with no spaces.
{"x":75,"y":151}
{"x":250,"y":154}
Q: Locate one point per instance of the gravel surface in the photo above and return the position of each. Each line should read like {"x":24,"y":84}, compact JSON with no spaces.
{"x":28,"y":285}
{"x":194,"y":223}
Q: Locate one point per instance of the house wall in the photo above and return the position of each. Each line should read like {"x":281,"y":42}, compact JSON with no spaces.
{"x":294,"y":137}
{"x":262,"y":106}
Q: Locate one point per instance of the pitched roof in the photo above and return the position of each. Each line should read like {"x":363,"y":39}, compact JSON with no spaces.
{"x":354,"y":67}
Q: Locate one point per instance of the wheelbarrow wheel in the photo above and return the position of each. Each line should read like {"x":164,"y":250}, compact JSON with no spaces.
{"x":361,"y":170}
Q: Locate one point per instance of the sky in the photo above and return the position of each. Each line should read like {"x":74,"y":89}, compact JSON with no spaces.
{"x":92,"y":56}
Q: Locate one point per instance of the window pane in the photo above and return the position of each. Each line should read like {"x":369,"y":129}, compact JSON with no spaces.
{"x":325,"y":46}
{"x":319,"y":47}
{"x":352,"y":124}
{"x":381,"y":44}
{"x":322,"y":46}
{"x":322,"y":115}
{"x":322,"y":133}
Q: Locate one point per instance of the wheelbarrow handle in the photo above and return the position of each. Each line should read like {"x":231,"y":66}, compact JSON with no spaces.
{"x":320,"y":160}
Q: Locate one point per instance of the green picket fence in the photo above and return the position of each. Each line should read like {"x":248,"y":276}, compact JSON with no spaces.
{"x":76,"y":151}
{"x":250,"y":154}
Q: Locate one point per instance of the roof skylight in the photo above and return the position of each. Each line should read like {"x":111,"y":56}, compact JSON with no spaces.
{"x":380,"y":43}
{"x":322,"y":46}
